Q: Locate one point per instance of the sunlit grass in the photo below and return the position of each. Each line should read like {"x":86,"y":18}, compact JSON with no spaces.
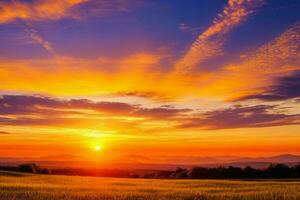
{"x":36,"y":187}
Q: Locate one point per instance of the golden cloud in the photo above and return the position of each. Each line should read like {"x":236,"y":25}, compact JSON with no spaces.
{"x":39,"y":10}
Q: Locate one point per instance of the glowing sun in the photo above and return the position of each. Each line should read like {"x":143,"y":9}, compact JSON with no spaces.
{"x":98,"y":148}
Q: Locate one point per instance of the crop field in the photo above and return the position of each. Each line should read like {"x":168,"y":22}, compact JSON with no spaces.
{"x":16,"y":186}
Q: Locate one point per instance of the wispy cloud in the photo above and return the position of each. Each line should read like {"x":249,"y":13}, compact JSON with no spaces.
{"x":37,"y":11}
{"x":41,"y":10}
{"x":38,"y":39}
{"x":209,"y":43}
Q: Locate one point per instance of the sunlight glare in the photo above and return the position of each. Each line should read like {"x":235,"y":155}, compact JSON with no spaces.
{"x":98,"y":148}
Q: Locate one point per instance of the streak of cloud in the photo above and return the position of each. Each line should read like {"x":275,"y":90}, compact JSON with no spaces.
{"x":36,"y":11}
{"x":38,"y":39}
{"x":209,"y":43}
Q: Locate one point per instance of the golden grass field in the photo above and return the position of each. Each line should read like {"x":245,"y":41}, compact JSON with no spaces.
{"x":15,"y":186}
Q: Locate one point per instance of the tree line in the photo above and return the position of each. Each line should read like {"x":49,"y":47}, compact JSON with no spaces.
{"x":274,"y":171}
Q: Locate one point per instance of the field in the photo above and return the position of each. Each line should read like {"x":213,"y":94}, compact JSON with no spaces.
{"x":16,"y":186}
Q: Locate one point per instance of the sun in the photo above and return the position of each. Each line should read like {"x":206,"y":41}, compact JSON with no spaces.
{"x":98,"y":148}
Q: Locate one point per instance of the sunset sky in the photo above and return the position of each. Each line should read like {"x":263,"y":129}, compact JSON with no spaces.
{"x":149,"y":81}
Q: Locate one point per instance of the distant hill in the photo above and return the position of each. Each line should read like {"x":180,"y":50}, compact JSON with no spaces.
{"x":260,"y":162}
{"x":284,"y":158}
{"x":253,"y":164}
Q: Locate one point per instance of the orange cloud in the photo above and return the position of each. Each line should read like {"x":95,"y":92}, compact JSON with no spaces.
{"x":39,"y":10}
{"x":142,"y":74}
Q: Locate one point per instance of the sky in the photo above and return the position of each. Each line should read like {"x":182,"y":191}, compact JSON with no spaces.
{"x":120,"y":82}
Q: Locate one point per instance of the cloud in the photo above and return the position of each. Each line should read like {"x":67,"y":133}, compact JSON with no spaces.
{"x":50,"y":121}
{"x":285,"y":88}
{"x":135,"y":74}
{"x":22,"y":110}
{"x":38,"y":39}
{"x":276,"y":57}
{"x":40,"y":10}
{"x":106,"y":7}
{"x":242,"y":117}
{"x":161,"y":112}
{"x":258,"y":70}
{"x":32,"y":106}
{"x":156,"y":96}
{"x":116,"y":108}
{"x":43,"y":106}
{"x":209,"y":43}
{"x":4,"y":133}
{"x":22,"y":105}
{"x":39,"y":111}
{"x":37,"y":10}
{"x":189,"y":29}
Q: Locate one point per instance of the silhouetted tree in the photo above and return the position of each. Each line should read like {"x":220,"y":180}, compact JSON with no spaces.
{"x":29,"y":168}
{"x":273,"y":171}
{"x":250,"y":172}
{"x":45,"y":171}
{"x":234,"y":172}
{"x":198,"y":172}
{"x":279,"y":171}
{"x":276,"y":171}
{"x":297,"y":171}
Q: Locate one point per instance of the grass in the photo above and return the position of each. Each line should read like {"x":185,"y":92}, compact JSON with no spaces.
{"x":38,"y":187}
